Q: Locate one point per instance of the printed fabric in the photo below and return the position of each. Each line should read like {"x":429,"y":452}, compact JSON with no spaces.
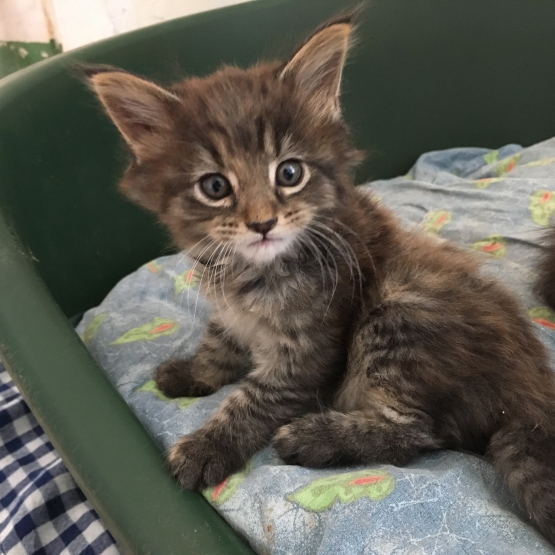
{"x":42,"y":510}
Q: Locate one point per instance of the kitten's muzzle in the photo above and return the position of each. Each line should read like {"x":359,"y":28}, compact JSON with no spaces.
{"x":263,"y":227}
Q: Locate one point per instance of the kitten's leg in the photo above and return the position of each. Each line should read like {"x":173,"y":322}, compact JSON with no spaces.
{"x":218,"y":361}
{"x":379,"y":434}
{"x":272,"y":395}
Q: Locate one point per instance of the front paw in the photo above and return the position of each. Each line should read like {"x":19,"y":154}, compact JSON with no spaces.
{"x":174,"y":379}
{"x":198,"y":462}
{"x":305,"y":442}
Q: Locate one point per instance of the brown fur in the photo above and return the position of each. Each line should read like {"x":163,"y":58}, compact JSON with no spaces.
{"x":357,"y":343}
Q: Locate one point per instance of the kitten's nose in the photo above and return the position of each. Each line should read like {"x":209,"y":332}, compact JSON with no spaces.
{"x":262,"y":227}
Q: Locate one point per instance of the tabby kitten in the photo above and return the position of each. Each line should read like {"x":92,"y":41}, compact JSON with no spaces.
{"x":356,"y":341}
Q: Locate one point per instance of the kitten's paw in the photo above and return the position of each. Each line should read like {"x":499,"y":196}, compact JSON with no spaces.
{"x":198,"y":462}
{"x":304,"y":442}
{"x":174,"y":379}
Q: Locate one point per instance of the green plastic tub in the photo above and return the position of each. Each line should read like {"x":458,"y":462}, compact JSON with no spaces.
{"x":425,"y":74}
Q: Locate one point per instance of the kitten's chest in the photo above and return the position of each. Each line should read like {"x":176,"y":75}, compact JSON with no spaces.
{"x":247,"y":327}
{"x":258,"y":313}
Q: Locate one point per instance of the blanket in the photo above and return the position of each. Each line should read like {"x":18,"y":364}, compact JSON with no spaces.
{"x":43,"y":511}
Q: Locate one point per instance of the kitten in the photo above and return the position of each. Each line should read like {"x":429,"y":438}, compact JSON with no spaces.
{"x":545,"y":285}
{"x":356,"y":342}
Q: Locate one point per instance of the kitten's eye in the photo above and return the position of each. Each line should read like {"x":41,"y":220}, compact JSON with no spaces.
{"x":215,"y":186}
{"x":289,"y":173}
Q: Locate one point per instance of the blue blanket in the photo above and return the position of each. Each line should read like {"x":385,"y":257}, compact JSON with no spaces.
{"x":495,"y":202}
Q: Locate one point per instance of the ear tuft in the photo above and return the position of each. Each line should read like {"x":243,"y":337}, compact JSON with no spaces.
{"x":316,"y":67}
{"x":85,"y":71}
{"x":141,"y":110}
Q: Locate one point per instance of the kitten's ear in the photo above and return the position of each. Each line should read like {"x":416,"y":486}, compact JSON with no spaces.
{"x":317,"y":65}
{"x":140,"y":109}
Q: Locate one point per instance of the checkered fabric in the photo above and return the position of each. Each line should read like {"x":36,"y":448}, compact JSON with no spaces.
{"x":42,"y":511}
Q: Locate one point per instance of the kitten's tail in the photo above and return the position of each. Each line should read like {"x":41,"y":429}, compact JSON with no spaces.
{"x":525,"y":456}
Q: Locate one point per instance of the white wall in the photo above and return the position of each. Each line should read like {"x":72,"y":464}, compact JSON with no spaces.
{"x":24,"y":21}
{"x":74,"y":23}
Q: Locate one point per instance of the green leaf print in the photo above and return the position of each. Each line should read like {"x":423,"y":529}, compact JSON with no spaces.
{"x":321,"y":495}
{"x":219,"y":494}
{"x":186,"y":280}
{"x":543,"y":316}
{"x":542,"y":205}
{"x":491,"y":157}
{"x":151,"y":330}
{"x":92,"y":328}
{"x":507,"y":164}
{"x":182,"y":402}
{"x":494,"y":245}
{"x":541,"y":162}
{"x":435,"y":220}
{"x":487,"y":181}
{"x":153,"y":266}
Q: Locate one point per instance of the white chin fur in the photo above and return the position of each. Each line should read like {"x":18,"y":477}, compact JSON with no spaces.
{"x":262,"y":253}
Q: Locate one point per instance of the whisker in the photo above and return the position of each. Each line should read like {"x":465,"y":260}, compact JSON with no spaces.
{"x":195,"y":263}
{"x":234,"y":265}
{"x":178,"y":260}
{"x":214,"y":271}
{"x":193,"y":268}
{"x":226,"y":251}
{"x":202,"y":277}
{"x":356,"y":236}
{"x":230,"y":257}
{"x":330,"y":254}
{"x":347,"y":257}
{"x":351,"y":260}
{"x":337,"y":235}
{"x":313,"y":248}
{"x":324,"y":259}
{"x":352,"y":255}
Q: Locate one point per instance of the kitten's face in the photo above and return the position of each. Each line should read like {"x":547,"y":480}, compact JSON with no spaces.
{"x":243,"y":163}
{"x":248,"y":189}
{"x":256,"y":168}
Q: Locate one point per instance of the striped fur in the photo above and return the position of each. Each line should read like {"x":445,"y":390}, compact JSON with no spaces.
{"x":355,"y":341}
